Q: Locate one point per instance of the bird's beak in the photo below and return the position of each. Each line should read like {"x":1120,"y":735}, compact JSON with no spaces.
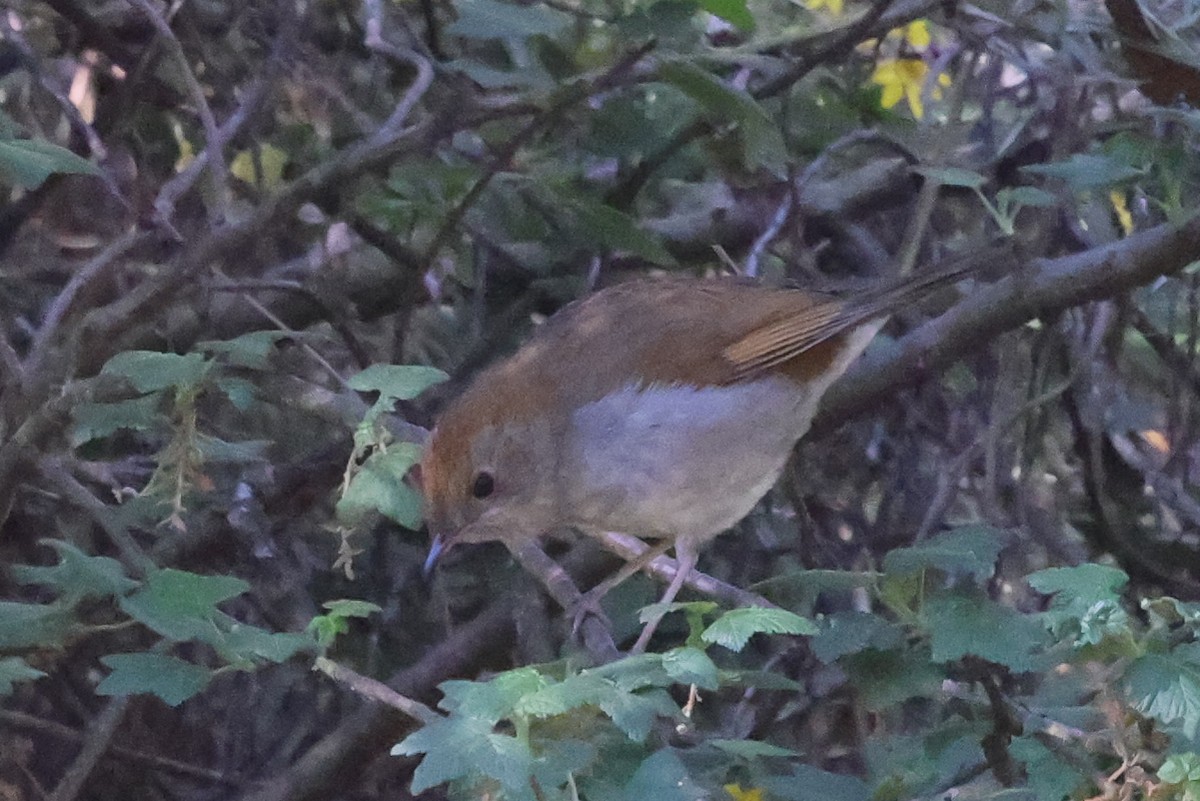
{"x":435,"y":552}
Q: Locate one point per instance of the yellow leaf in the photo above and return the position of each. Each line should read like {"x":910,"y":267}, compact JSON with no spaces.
{"x":1117,"y":198}
{"x":271,"y":159}
{"x":738,"y":794}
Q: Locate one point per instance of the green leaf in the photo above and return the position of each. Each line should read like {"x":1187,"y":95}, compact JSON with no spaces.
{"x":1086,"y":171}
{"x":762,"y":140}
{"x":1048,"y":774}
{"x":181,"y":605}
{"x":1085,"y":606}
{"x":378,"y":486}
{"x":970,"y":550}
{"x":171,"y":679}
{"x":952,"y":176}
{"x":77,"y":575}
{"x":960,"y":624}
{"x":691,"y":666}
{"x":463,"y":747}
{"x":396,"y":381}
{"x":488,"y":19}
{"x":248,"y":350}
{"x":351,"y":607}
{"x":29,"y":162}
{"x":250,"y":645}
{"x":635,"y":713}
{"x":151,"y":371}
{"x":219,"y":451}
{"x":94,"y":421}
{"x":611,"y":228}
{"x":886,"y":678}
{"x":1180,"y":768}
{"x":1080,"y":586}
{"x":750,"y":749}
{"x":34,"y":625}
{"x":807,"y":783}
{"x":735,"y":628}
{"x":240,"y":392}
{"x":663,"y":777}
{"x":584,"y":689}
{"x":1167,"y":687}
{"x":13,"y":669}
{"x":494,"y":700}
{"x":1028,"y":196}
{"x":850,"y":632}
{"x":732,"y":11}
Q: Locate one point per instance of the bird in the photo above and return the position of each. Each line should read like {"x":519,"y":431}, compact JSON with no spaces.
{"x":663,"y":408}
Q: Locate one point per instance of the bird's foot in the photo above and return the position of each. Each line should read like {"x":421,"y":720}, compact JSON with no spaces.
{"x":588,"y":605}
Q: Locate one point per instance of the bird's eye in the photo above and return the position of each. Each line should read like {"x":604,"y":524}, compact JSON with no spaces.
{"x":484,"y":485}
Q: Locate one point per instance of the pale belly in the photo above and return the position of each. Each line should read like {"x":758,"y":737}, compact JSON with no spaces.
{"x":680,"y":461}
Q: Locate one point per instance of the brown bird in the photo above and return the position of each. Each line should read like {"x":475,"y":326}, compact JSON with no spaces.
{"x":663,"y":409}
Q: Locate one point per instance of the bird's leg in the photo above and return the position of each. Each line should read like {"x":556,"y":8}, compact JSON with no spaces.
{"x":686,"y":557}
{"x":589,"y":602}
{"x":596,"y":636}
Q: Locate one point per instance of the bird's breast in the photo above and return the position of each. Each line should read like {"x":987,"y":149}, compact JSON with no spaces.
{"x":677,"y":460}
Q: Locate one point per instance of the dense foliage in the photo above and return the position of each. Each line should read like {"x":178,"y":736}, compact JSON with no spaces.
{"x":246,"y":243}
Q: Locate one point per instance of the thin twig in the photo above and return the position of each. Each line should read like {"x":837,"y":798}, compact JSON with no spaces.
{"x":374,"y":40}
{"x":62,"y":303}
{"x":214,"y":143}
{"x":96,"y":742}
{"x":58,"y":730}
{"x":376,"y":690}
{"x":767,"y":236}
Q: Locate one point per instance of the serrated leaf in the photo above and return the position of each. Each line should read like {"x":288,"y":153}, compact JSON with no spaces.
{"x":734,"y":629}
{"x":492,"y":700}
{"x":29,"y":162}
{"x":559,"y":697}
{"x":378,"y":486}
{"x":1167,"y":687}
{"x":459,"y":748}
{"x":963,"y":624}
{"x":94,"y":421}
{"x":691,"y":666}
{"x":396,"y":381}
{"x":970,"y":550}
{"x":245,"y":644}
{"x":635,"y":713}
{"x":13,"y":669}
{"x":34,"y":625}
{"x":152,"y":371}
{"x":180,"y":605}
{"x":488,"y":19}
{"x":171,"y":679}
{"x":850,"y":632}
{"x":77,"y":575}
{"x":1083,"y":584}
{"x":634,"y":672}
